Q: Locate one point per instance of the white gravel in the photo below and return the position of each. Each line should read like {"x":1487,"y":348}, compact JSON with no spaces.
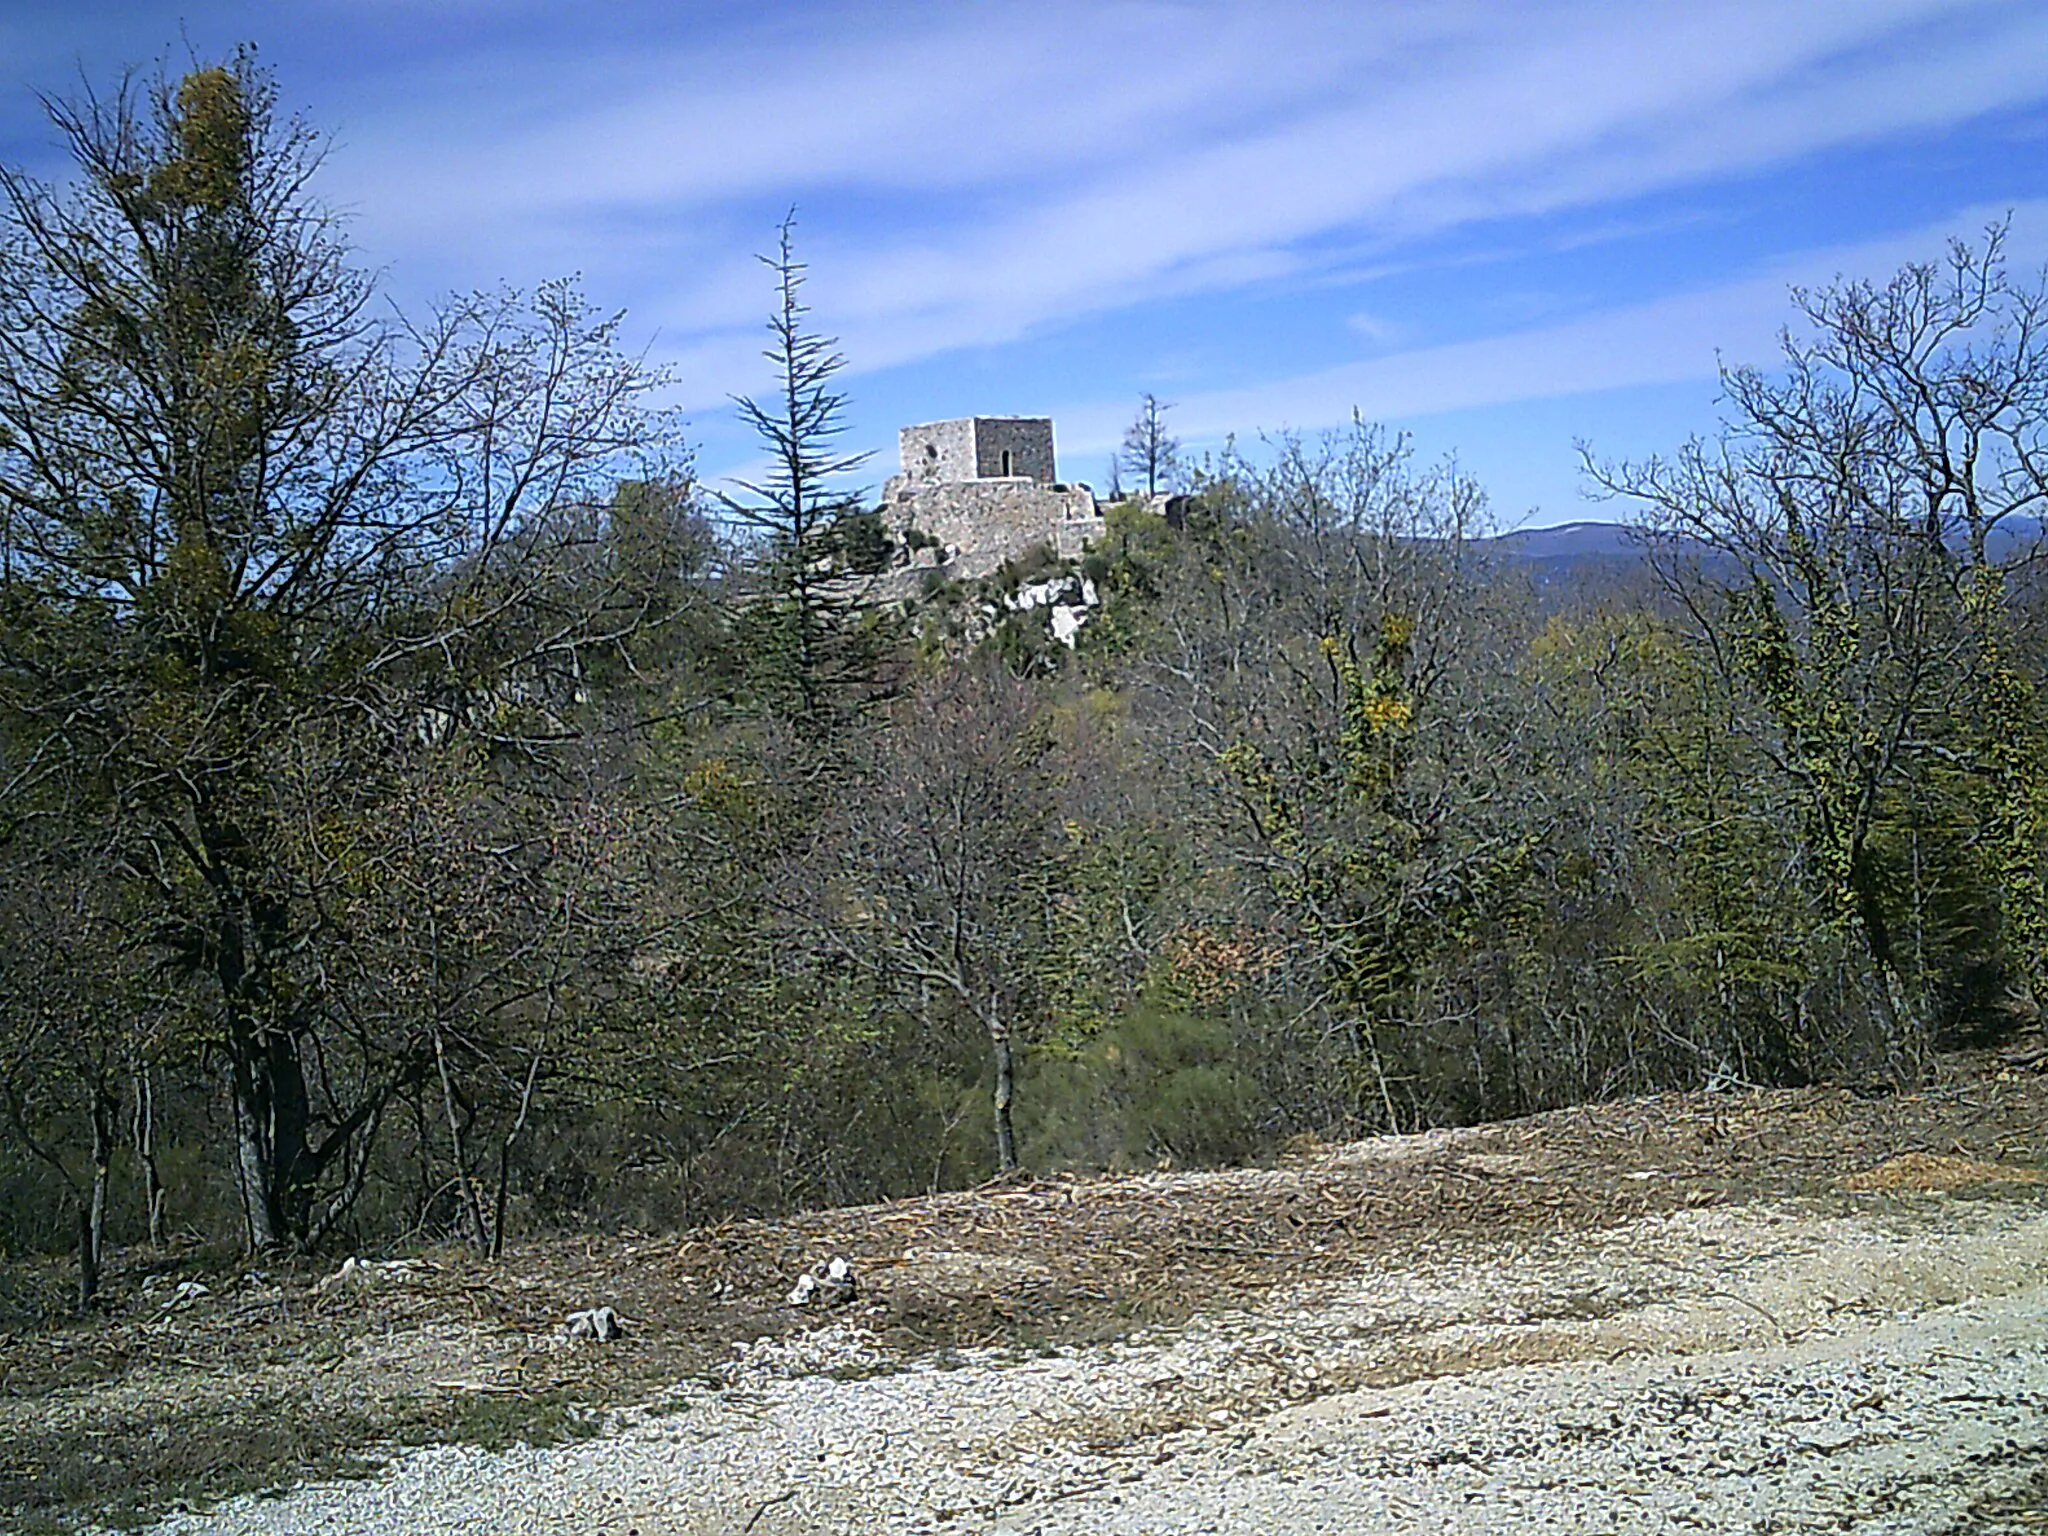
{"x":1764,"y":1369}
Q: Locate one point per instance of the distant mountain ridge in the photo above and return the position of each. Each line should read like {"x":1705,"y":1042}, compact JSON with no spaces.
{"x":1569,"y":541}
{"x":1571,"y":547}
{"x":1565,"y":556}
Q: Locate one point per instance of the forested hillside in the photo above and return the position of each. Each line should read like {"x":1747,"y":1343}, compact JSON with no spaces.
{"x":425,"y":811}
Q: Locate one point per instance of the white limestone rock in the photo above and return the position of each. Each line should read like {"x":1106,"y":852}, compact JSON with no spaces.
{"x":830,"y":1284}
{"x":600,"y":1324}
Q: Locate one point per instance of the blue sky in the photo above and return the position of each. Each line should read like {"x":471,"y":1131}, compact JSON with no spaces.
{"x":1500,"y":225}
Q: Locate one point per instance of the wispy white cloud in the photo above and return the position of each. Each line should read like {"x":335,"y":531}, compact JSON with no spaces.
{"x":971,"y":175}
{"x":1031,"y":191}
{"x":918,"y":100}
{"x":1378,"y":330}
{"x":1682,"y":337}
{"x":1597,"y":114}
{"x":1004,"y":167}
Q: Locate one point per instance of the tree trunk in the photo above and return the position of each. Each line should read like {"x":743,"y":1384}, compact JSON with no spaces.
{"x":505,"y":1150}
{"x":1907,"y":1028}
{"x":266,"y":1083}
{"x":248,"y":1098}
{"x":465,"y":1190}
{"x":145,"y":1152}
{"x":92,"y":1206}
{"x":260,"y":1225}
{"x":88,"y":1257}
{"x":1006,"y":1092}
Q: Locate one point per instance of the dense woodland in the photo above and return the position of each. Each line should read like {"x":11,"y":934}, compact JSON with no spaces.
{"x":426,"y":814}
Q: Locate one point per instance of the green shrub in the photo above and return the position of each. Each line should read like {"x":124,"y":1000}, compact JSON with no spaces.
{"x":1156,"y":1086}
{"x":865,"y":543}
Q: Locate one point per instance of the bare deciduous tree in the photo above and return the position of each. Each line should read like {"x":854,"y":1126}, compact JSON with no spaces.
{"x":939,"y":863}
{"x":242,"y":514}
{"x":1844,"y":551}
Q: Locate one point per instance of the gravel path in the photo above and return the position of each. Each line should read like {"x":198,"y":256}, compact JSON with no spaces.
{"x":1756,"y":1369}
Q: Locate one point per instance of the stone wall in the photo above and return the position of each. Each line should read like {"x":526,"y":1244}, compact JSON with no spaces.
{"x":982,"y":523}
{"x":975,"y":448}
{"x":1006,"y":446}
{"x":1073,"y":535}
{"x":936,"y":452}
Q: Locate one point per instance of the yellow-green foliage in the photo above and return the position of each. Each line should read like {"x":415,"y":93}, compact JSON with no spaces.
{"x":212,"y":132}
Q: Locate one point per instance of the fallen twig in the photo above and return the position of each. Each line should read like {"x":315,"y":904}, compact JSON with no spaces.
{"x":781,"y":1498}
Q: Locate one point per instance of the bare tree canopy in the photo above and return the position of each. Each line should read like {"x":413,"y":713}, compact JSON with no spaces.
{"x":1847,"y":551}
{"x":258,"y":544}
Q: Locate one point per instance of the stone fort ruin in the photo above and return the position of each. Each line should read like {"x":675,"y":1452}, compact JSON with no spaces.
{"x":985,"y":488}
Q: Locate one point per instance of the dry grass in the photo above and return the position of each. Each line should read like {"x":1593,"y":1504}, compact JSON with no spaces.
{"x":1930,"y":1172}
{"x":270,"y":1378}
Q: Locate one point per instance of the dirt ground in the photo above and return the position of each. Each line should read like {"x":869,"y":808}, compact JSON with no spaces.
{"x":178,"y":1396}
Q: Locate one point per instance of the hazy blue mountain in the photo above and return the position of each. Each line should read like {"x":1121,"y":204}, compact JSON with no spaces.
{"x":1571,"y":551}
{"x":1569,"y":541}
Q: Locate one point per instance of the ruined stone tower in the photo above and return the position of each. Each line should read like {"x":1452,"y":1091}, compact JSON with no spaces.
{"x":978,"y":448}
{"x":986,"y":488}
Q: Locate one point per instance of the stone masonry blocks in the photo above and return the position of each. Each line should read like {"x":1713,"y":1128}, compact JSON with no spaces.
{"x":938,"y":453}
{"x":986,"y":488}
{"x":1008,"y":447}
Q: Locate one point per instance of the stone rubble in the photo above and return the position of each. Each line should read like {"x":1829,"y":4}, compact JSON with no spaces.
{"x":356,"y":1273}
{"x":1753,"y":1371}
{"x":600,"y":1324}
{"x":830,"y":1284}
